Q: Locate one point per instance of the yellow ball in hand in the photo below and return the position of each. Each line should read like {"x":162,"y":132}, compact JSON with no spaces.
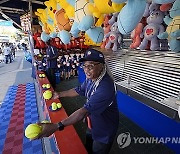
{"x":32,"y":131}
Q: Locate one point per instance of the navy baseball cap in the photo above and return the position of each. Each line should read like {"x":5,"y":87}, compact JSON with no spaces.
{"x":93,"y":55}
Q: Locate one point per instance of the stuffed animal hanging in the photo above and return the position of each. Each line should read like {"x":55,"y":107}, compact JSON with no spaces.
{"x":38,"y":41}
{"x":106,"y":28}
{"x":153,"y":28}
{"x":173,"y":29}
{"x":115,"y":38}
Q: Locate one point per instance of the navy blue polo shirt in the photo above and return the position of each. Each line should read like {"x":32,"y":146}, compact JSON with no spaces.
{"x":102,"y":106}
{"x":51,"y":52}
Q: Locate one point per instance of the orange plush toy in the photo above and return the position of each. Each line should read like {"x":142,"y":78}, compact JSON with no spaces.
{"x":135,"y":35}
{"x":166,"y":7}
{"x":106,"y":28}
{"x":39,"y":44}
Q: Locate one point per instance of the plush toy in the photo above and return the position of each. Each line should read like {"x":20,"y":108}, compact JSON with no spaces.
{"x":163,"y":1}
{"x":153,"y":28}
{"x":173,"y":29}
{"x":53,"y":34}
{"x":38,"y":41}
{"x":135,"y":34}
{"x":42,"y":17}
{"x":57,"y":43}
{"x":98,"y":10}
{"x":81,"y":42}
{"x":63,"y":25}
{"x":83,"y":16}
{"x":62,"y":22}
{"x":113,"y":18}
{"x":130,"y":15}
{"x":114,"y":37}
{"x":74,"y":43}
{"x":165,"y":7}
{"x":64,"y":36}
{"x":106,"y":29}
{"x":96,"y":34}
{"x":84,"y":21}
{"x":68,"y":6}
{"x":45,"y":37}
{"x":89,"y":42}
{"x":51,"y":9}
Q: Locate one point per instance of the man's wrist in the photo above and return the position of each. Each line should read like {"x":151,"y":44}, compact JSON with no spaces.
{"x":60,"y":94}
{"x":60,"y":126}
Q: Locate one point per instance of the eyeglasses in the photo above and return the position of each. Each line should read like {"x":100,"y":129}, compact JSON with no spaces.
{"x":90,"y":66}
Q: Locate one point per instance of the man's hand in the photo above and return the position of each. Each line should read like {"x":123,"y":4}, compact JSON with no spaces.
{"x":47,"y":130}
{"x":55,"y":95}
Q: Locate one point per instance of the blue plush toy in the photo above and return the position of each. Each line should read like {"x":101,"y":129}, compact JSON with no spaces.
{"x":173,"y":29}
{"x":130,"y":14}
{"x":45,"y":37}
{"x":84,"y":21}
{"x":163,"y":1}
{"x":64,"y":36}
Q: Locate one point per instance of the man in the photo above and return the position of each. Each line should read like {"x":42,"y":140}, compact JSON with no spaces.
{"x":100,"y":110}
{"x":52,"y":56}
{"x":7,"y":53}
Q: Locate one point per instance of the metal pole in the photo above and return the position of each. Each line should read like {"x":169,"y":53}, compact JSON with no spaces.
{"x":30,"y":10}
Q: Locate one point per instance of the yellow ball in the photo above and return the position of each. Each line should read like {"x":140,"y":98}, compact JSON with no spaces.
{"x":44,"y":86}
{"x":47,"y":94}
{"x":43,"y":75}
{"x":40,"y":75}
{"x":32,"y":131}
{"x":48,"y":85}
{"x":59,"y":105}
{"x":54,"y":106}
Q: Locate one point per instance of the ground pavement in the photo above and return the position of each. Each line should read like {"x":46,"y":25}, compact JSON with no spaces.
{"x":17,"y":72}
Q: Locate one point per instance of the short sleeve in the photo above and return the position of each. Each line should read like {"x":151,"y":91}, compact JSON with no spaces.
{"x":81,"y":89}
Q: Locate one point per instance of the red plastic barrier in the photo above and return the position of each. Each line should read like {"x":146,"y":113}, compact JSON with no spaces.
{"x":68,"y":140}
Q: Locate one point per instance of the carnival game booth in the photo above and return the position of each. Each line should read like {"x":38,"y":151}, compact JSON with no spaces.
{"x":66,"y":141}
{"x":148,"y":85}
{"x":147,"y":75}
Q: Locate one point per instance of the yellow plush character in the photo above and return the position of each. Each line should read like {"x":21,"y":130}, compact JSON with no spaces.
{"x":51,"y":9}
{"x":42,"y":17}
{"x":98,"y":10}
{"x":69,"y":9}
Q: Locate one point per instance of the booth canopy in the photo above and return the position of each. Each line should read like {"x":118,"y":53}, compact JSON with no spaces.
{"x":15,"y":8}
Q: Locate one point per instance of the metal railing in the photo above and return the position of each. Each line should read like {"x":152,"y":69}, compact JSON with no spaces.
{"x":153,"y":74}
